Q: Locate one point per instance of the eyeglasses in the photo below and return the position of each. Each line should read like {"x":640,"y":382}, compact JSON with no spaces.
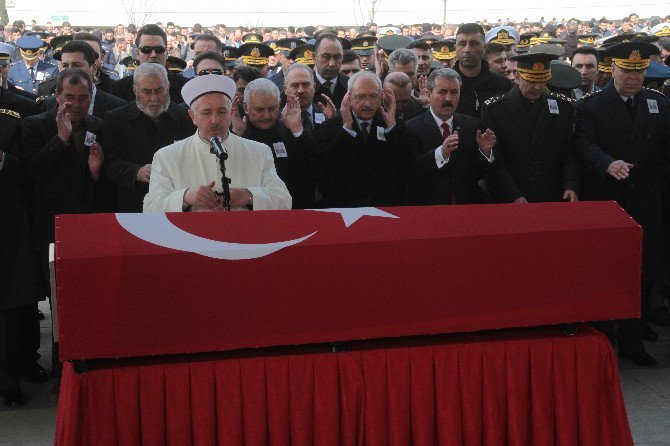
{"x":210,"y":71}
{"x":149,"y":49}
{"x":366,"y":97}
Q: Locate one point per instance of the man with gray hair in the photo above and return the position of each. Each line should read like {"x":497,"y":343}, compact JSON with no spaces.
{"x":367,"y":157}
{"x":186,"y":175}
{"x":133,"y":133}
{"x":295,"y":151}
{"x":405,"y":61}
{"x":453,"y":151}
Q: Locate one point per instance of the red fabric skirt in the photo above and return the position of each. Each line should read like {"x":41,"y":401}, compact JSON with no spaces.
{"x":529,"y":387}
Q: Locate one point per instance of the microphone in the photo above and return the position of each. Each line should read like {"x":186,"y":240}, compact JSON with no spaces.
{"x":217,"y":148}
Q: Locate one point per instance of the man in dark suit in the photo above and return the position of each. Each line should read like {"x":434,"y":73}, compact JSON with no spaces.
{"x":294,"y":149}
{"x":151,"y":44}
{"x":64,"y":163}
{"x":367,"y":157}
{"x":479,"y":83}
{"x":406,"y":104}
{"x":453,"y":152}
{"x":20,"y":288}
{"x":535,"y":158}
{"x":327,"y":77}
{"x":133,"y":133}
{"x":80,"y":54}
{"x":622,"y":134}
{"x":103,"y":76}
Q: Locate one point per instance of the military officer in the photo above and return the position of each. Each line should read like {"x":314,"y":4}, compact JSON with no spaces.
{"x":27,"y":73}
{"x":256,"y":55}
{"x":444,"y":51}
{"x":6,"y":51}
{"x":622,"y":134}
{"x":536,"y":161}
{"x":365,"y":48}
{"x":504,"y":35}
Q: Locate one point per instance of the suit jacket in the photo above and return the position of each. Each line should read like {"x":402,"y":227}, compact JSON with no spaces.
{"x":60,"y":175}
{"x":103,"y":103}
{"x":413,"y":110}
{"x":299,"y":168}
{"x":130,"y":140}
{"x":20,"y":284}
{"x":337,"y":95}
{"x":123,"y":88}
{"x":19,"y":75}
{"x":455,"y":181}
{"x":278,"y":80}
{"x":364,"y":173}
{"x":535,"y":159}
{"x":26,"y":94}
{"x":605,"y":132}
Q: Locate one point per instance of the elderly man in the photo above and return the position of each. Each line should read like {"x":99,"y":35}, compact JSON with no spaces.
{"x":453,"y":150}
{"x":132,"y":134}
{"x":79,"y":54}
{"x":299,"y":82}
{"x":404,"y":60}
{"x":151,"y":44}
{"x":367,"y":157}
{"x":535,"y":159}
{"x":406,"y":106}
{"x":294,"y":148}
{"x":623,"y":136}
{"x":479,"y":83}
{"x":186,"y":174}
{"x":327,"y":76}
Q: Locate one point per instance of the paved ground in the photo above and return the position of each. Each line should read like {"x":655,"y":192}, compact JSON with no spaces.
{"x":646,"y":391}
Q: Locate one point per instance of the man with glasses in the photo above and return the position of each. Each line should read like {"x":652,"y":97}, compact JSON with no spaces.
{"x":209,"y":62}
{"x":151,"y":44}
{"x":133,"y":133}
{"x":367,"y":156}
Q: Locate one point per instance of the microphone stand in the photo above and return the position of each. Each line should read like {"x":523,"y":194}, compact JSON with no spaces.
{"x":222,"y":155}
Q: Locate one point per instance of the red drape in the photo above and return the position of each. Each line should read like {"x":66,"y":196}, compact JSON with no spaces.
{"x":535,"y":387}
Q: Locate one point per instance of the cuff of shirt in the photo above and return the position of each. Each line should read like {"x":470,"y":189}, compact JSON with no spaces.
{"x":440,"y":161}
{"x":297,"y":134}
{"x":388,"y":130}
{"x":489,"y":158}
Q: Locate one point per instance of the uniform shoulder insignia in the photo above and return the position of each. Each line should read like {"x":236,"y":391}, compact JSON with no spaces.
{"x":12,"y":113}
{"x":47,"y":80}
{"x":590,"y":95}
{"x":562,"y":97}
{"x":654,"y":91}
{"x":494,"y":99}
{"x":43,"y":98}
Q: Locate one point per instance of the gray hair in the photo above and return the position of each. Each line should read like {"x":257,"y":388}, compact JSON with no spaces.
{"x":402,"y":56}
{"x":363,"y":75}
{"x":298,"y":66}
{"x":262,"y":86}
{"x":397,"y":79}
{"x":150,"y":69}
{"x":443,"y":73}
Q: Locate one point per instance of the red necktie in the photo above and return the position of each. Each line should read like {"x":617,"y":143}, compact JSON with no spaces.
{"x":445,"y":130}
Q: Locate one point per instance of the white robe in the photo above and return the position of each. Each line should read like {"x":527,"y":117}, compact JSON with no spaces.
{"x":189,"y":164}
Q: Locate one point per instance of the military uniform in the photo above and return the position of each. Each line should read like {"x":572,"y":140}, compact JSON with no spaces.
{"x":28,"y":78}
{"x":534,"y":150}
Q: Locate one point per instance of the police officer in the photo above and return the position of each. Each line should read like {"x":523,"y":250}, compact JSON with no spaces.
{"x":623,"y":136}
{"x":27,"y":73}
{"x":535,"y":155}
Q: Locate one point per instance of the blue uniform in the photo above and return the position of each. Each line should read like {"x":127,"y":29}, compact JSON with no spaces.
{"x":19,"y":75}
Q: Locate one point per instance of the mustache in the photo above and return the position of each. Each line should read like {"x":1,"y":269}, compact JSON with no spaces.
{"x":447,"y":104}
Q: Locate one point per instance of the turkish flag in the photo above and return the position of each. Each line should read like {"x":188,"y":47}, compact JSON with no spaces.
{"x":150,"y":284}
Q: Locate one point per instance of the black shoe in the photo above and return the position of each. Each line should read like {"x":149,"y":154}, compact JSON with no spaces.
{"x":648,"y":334}
{"x":13,"y":397}
{"x":660,"y":316}
{"x":638,"y":355}
{"x":40,"y":315}
{"x":34,"y":373}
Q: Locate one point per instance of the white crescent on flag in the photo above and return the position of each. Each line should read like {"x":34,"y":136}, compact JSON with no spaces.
{"x":155,"y":228}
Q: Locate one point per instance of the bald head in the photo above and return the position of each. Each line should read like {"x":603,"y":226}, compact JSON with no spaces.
{"x":401,"y":85}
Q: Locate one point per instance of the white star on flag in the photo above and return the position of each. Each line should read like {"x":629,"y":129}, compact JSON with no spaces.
{"x":351,"y":215}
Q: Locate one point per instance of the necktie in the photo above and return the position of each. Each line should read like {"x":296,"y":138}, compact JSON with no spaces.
{"x":631,"y":108}
{"x":445,"y":130}
{"x":32,"y":73}
{"x":307,"y":122}
{"x":364,"y":131}
{"x":328,"y":84}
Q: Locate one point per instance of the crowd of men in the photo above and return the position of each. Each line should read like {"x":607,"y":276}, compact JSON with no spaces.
{"x":315,"y":117}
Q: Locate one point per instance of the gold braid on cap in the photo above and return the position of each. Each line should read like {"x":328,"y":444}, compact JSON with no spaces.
{"x":634,"y":62}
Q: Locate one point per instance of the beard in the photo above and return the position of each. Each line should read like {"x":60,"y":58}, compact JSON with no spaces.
{"x":153,"y":112}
